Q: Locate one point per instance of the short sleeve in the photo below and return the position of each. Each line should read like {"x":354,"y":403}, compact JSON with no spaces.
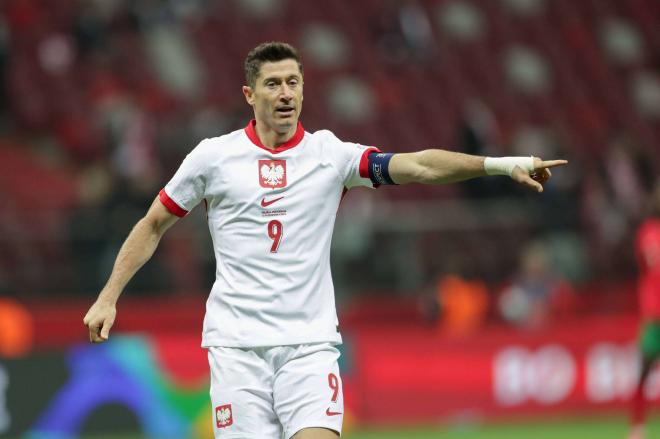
{"x":188,"y":185}
{"x":350,"y":160}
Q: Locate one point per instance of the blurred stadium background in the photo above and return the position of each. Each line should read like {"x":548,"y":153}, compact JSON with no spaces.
{"x":471,"y":310}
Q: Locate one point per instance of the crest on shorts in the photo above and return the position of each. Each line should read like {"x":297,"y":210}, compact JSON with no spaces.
{"x":272,"y":173}
{"x":223,"y":416}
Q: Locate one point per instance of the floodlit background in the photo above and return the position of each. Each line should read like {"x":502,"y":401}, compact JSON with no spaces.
{"x":465,"y":307}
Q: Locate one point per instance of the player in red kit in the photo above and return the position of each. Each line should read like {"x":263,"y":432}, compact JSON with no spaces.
{"x":648,"y":255}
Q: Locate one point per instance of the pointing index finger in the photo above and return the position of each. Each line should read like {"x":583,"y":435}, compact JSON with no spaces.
{"x":550,"y":164}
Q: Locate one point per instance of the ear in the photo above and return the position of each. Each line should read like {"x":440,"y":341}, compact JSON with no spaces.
{"x":249,"y":94}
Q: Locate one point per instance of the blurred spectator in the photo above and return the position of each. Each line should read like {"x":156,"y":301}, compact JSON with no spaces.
{"x":132,"y":134}
{"x":110,"y":205}
{"x":4,"y":55}
{"x":646,"y":94}
{"x":387,"y":33}
{"x":351,"y":100}
{"x":525,"y":7}
{"x":613,"y":200}
{"x":134,"y":85}
{"x":16,"y":329}
{"x":416,"y":30}
{"x":623,"y":178}
{"x":263,"y":9}
{"x":88,"y":228}
{"x":324,"y":46}
{"x":622,"y":41}
{"x":404,"y":32}
{"x":461,"y":20}
{"x":463,"y":304}
{"x":527,"y":70}
{"x":478,"y":134}
{"x":536,"y":293}
{"x":174,"y":59}
{"x":4,"y":280}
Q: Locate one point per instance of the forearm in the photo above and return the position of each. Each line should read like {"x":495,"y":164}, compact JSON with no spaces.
{"x":435,"y":166}
{"x":134,"y":253}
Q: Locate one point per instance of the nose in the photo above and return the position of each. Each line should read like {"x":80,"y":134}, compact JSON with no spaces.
{"x":286,"y":92}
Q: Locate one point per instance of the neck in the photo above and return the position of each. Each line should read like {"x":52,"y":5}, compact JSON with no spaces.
{"x":271,"y":138}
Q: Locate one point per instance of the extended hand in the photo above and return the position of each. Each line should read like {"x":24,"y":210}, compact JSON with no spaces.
{"x":99,"y":319}
{"x":541,"y":173}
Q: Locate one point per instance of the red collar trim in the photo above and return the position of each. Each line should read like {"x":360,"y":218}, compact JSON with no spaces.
{"x":251,"y":132}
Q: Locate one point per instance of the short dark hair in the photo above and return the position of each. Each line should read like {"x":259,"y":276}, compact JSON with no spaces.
{"x":268,"y":52}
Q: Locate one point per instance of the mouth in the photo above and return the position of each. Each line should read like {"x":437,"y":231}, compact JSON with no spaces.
{"x":285,"y":110}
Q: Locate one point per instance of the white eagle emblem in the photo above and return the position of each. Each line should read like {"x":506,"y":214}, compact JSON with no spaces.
{"x":272,"y":175}
{"x":223,"y":416}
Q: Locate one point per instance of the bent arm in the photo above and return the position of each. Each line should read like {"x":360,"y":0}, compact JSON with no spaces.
{"x":138,"y":248}
{"x":134,"y":253}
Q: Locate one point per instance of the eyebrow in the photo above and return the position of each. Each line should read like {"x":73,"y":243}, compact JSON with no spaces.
{"x":279,"y":79}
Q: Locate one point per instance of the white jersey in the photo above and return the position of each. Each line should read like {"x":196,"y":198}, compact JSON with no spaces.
{"x":271,"y":214}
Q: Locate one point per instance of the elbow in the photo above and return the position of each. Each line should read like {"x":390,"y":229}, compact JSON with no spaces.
{"x":151,"y":227}
{"x":430,"y":169}
{"x":431,"y":175}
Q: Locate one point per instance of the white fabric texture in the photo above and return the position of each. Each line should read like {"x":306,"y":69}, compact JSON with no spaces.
{"x":271,"y":216}
{"x":274,"y":390}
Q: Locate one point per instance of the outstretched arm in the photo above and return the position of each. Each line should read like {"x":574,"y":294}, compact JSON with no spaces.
{"x":134,"y":253}
{"x":437,"y":166}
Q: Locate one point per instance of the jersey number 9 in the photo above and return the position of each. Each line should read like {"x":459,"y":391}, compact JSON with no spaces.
{"x":275,"y":233}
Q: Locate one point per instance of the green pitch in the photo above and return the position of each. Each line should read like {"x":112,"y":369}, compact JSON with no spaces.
{"x":583,"y":428}
{"x":606,"y":427}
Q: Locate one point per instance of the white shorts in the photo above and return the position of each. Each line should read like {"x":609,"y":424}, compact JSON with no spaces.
{"x":274,"y":392}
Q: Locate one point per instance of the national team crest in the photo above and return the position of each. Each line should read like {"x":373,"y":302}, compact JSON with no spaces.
{"x":223,"y":416}
{"x":272,"y":173}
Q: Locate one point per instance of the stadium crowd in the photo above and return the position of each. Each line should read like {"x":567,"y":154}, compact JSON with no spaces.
{"x":100,"y":100}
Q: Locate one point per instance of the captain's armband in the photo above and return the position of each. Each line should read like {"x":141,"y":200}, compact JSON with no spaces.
{"x":378,"y":165}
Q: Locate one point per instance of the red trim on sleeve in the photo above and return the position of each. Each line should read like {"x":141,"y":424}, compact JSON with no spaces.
{"x":171,"y":205}
{"x":364,"y":162}
{"x":251,"y":132}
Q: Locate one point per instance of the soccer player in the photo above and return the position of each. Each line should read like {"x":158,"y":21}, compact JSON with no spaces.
{"x":648,"y":256}
{"x":271,"y":192}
